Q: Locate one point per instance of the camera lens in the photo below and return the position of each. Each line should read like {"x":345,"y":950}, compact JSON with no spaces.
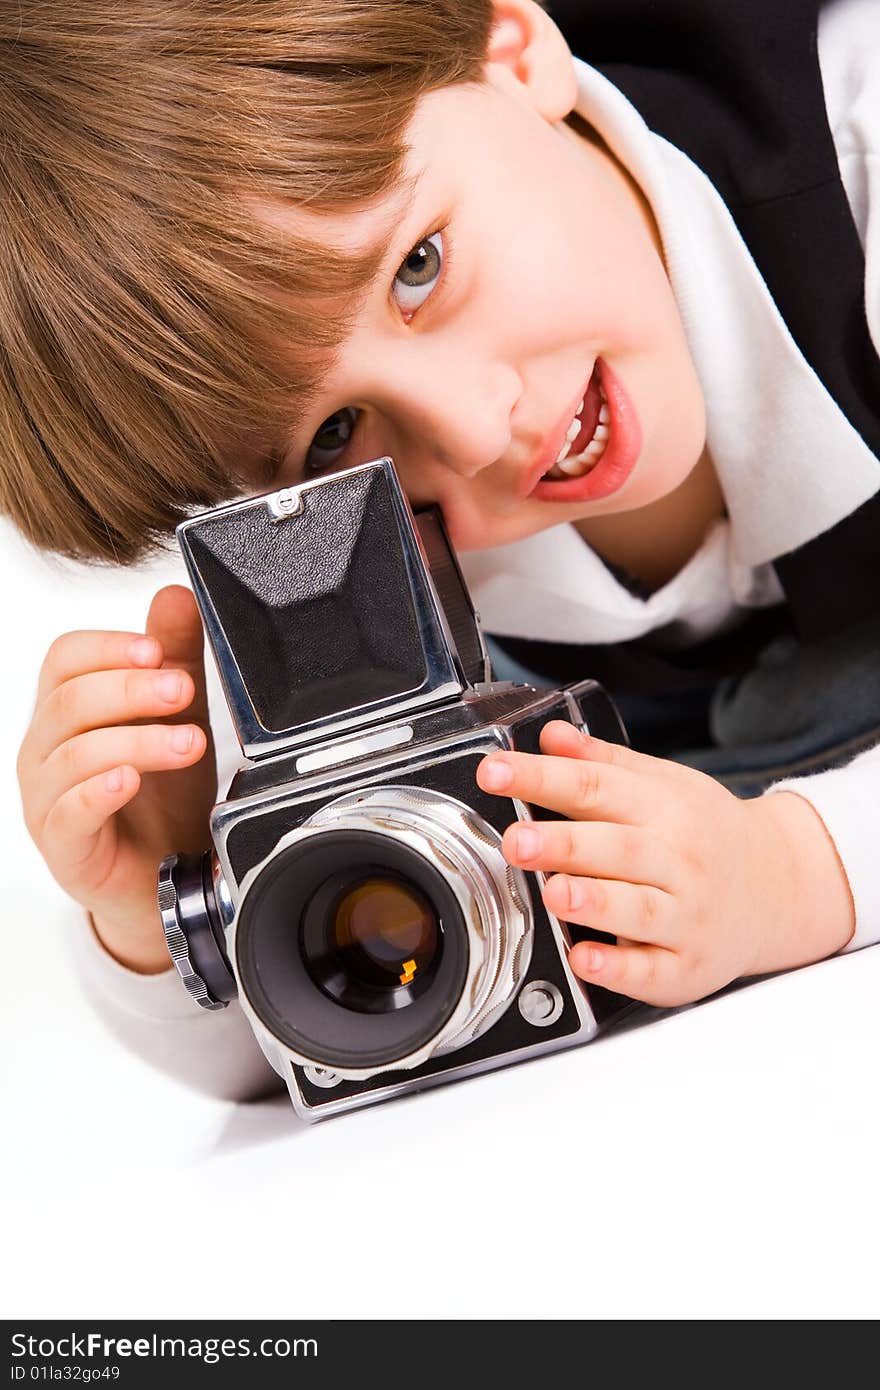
{"x":352,"y":948}
{"x":387,"y":928}
{"x":371,"y":941}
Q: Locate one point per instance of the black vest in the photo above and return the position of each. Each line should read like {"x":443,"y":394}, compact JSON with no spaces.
{"x":736,"y":85}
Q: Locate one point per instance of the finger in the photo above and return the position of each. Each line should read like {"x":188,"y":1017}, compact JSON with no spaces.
{"x":76,"y":653}
{"x":146,"y":747}
{"x":560,"y":738}
{"x":577,"y":788}
{"x":78,"y":820}
{"x":647,"y":973}
{"x":594,"y":849}
{"x":174,"y":621}
{"x":639,"y":913}
{"x":106,"y":698}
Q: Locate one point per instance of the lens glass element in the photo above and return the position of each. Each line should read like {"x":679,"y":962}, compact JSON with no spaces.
{"x":371,"y":941}
{"x":389,"y":927}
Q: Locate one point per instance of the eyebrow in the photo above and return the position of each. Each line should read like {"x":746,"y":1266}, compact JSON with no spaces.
{"x":382,"y":244}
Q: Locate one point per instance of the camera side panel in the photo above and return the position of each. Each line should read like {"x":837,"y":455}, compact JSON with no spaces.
{"x":600,"y":717}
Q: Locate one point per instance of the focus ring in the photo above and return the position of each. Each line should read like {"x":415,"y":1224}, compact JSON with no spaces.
{"x":175,"y":937}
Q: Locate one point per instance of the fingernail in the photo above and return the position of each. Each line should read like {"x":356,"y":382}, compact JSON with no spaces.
{"x":576,"y":897}
{"x":595,"y":959}
{"x":181,"y":739}
{"x":143,"y":651}
{"x":169,"y":687}
{"x":526,"y":842}
{"x":495,"y":775}
{"x":113,"y":780}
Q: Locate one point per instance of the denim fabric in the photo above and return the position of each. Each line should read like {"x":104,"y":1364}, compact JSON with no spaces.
{"x":800,"y":708}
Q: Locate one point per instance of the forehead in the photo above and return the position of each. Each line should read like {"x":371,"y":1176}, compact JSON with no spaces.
{"x":352,"y":247}
{"x":441,"y":136}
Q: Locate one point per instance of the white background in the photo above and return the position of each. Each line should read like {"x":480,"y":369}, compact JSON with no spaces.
{"x":717,"y":1162}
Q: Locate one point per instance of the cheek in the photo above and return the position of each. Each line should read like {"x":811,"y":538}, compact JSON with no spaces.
{"x":672,"y":411}
{"x":466,"y":533}
{"x":465,"y":519}
{"x":601,"y":261}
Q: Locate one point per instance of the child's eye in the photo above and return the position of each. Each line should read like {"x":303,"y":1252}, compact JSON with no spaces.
{"x":332,"y":438}
{"x":419,"y":273}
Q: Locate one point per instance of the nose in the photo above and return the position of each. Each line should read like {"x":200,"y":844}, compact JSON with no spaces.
{"x":457,"y":411}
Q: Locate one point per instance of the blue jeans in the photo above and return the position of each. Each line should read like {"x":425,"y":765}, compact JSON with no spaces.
{"x":799,"y":708}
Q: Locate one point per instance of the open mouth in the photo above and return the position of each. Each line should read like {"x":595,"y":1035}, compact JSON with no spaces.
{"x":587,"y":435}
{"x":601,"y":447}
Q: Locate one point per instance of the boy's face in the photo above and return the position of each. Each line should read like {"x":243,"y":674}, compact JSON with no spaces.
{"x":523,"y":276}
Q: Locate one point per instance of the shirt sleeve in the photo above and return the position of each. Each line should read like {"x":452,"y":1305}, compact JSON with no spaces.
{"x":846,"y":798}
{"x":152,"y":1015}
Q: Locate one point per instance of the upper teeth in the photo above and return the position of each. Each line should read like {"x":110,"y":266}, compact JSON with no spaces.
{"x":571,"y":434}
{"x":581,"y":463}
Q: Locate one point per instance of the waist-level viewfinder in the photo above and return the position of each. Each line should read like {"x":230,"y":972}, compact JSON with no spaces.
{"x":322,"y":612}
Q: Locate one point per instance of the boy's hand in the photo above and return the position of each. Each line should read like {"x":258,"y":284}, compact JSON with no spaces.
{"x":117,"y":769}
{"x":699,"y":887}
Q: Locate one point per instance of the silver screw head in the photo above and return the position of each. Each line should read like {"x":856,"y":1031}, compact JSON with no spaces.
{"x":321,"y":1076}
{"x":540,"y":1003}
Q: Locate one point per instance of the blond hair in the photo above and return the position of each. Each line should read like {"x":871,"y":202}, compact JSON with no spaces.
{"x":141,"y":303}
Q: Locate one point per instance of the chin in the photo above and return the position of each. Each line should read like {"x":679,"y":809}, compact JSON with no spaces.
{"x":652,"y":482}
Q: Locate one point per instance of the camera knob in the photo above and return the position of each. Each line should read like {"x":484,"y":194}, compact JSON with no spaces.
{"x":193,"y":927}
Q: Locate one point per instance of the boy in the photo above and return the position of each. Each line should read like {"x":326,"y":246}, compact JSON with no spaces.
{"x":350,"y":232}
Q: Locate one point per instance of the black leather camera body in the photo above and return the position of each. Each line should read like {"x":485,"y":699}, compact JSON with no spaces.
{"x":356,"y":900}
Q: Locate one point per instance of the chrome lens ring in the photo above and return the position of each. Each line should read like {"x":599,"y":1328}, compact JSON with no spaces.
{"x":493,"y":898}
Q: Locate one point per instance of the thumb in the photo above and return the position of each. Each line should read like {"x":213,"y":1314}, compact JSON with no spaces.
{"x":175,"y":622}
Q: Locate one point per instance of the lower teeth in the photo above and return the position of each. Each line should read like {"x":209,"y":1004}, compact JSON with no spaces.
{"x":577,"y":467}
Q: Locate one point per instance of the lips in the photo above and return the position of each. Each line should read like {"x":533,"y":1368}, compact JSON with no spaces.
{"x":621,"y":452}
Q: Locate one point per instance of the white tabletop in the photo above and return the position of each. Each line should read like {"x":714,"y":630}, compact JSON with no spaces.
{"x":715,"y":1162}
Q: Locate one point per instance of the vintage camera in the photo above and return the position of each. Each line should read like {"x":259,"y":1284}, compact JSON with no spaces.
{"x":357,"y":901}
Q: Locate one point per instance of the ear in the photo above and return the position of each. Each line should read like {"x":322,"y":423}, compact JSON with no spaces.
{"x":525,"y":44}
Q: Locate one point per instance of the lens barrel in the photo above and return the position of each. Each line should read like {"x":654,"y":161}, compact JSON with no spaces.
{"x":322,"y":991}
{"x":387,"y":928}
